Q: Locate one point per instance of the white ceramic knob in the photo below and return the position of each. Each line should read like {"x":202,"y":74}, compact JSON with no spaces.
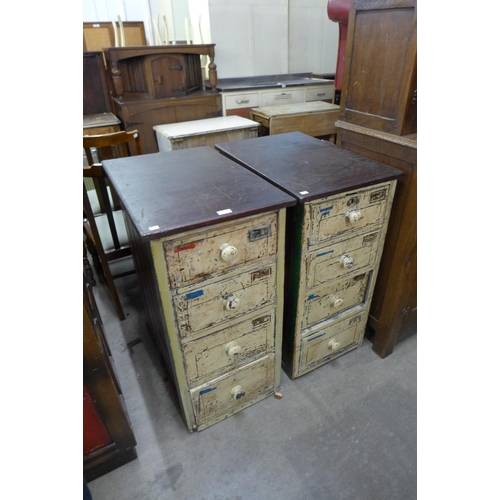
{"x":232,"y":348}
{"x":227,"y":252}
{"x":237,"y":392}
{"x":353,"y":216}
{"x":336,"y":301}
{"x":333,"y":344}
{"x":232,"y":303}
{"x":346,"y":261}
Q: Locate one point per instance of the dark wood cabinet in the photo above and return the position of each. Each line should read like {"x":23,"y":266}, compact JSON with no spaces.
{"x":379,"y":121}
{"x":108,"y":439}
{"x":161,"y":84}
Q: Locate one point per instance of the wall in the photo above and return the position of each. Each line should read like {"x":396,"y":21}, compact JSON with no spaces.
{"x":252,"y":37}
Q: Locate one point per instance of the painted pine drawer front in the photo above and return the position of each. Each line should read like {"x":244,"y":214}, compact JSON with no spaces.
{"x":349,"y":212}
{"x":331,"y":341}
{"x":334,"y":297}
{"x":227,"y":349}
{"x":198,"y":256}
{"x":233,"y":392}
{"x":345,"y":257}
{"x":198,"y":308}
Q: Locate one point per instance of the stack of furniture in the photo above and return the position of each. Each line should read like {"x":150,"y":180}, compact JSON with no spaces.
{"x":208,"y":241}
{"x":335,"y":236}
{"x":379,"y":121}
{"x":159,"y":85}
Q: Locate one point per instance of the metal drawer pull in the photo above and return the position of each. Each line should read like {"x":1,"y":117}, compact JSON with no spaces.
{"x":237,"y":392}
{"x":242,"y":101}
{"x":283,"y":96}
{"x":232,"y":348}
{"x":346,"y":261}
{"x":336,"y":301}
{"x":353,"y":216}
{"x":322,"y":93}
{"x":333,"y":344}
{"x":228,"y":252}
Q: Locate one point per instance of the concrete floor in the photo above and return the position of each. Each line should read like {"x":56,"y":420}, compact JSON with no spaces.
{"x":347,"y":430}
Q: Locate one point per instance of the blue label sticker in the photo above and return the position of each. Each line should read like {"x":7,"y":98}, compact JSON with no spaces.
{"x":193,"y":295}
{"x":205,"y":391}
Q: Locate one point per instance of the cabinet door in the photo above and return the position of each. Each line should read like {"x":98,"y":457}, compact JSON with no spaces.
{"x":167,"y":72}
{"x":380,"y":77}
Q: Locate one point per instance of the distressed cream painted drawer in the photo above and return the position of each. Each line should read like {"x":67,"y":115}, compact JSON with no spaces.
{"x":200,"y":255}
{"x":285,"y":96}
{"x":233,"y":392}
{"x":332,"y":298}
{"x":347,"y":256}
{"x":350,"y":212}
{"x":225,"y":299}
{"x":332,"y":339}
{"x":245,"y":100}
{"x":320,"y":93}
{"x":227,"y":349}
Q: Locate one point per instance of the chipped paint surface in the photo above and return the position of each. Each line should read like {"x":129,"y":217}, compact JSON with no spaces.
{"x":341,"y":246}
{"x":223,"y":318}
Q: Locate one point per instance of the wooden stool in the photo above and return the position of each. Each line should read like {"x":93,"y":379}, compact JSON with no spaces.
{"x":207,"y":132}
{"x":312,"y":118}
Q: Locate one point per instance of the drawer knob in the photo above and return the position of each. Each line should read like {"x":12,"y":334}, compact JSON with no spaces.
{"x":232,"y":303}
{"x":333,"y":344}
{"x":228,"y":253}
{"x":232,"y":348}
{"x":346,"y":261}
{"x":237,"y":392}
{"x":336,"y":301}
{"x":353,"y":215}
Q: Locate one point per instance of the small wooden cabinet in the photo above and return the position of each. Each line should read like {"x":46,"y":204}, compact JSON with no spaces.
{"x":208,"y":243}
{"x":156,"y":85}
{"x":335,"y":237}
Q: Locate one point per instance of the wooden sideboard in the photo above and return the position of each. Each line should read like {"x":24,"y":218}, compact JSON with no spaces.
{"x":156,"y":85}
{"x":379,"y":121}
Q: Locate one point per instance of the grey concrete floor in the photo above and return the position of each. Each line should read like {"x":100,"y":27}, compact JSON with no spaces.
{"x":347,"y":430}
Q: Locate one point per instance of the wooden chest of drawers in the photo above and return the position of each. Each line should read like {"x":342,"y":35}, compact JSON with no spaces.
{"x":335,"y":237}
{"x":208,"y":242}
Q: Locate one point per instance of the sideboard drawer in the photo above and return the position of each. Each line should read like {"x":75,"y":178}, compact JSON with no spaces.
{"x":196,"y":257}
{"x":233,"y":392}
{"x":334,"y":297}
{"x":237,"y":101}
{"x":285,"y":96}
{"x":347,"y":256}
{"x":198,"y":308}
{"x":227,"y":349}
{"x":349,"y":212}
{"x":320,"y":93}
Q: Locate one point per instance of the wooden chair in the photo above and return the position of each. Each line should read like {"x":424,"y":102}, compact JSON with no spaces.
{"x":103,"y":223}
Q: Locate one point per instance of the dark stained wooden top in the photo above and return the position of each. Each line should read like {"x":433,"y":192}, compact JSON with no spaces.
{"x":306,"y":167}
{"x":184,"y":189}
